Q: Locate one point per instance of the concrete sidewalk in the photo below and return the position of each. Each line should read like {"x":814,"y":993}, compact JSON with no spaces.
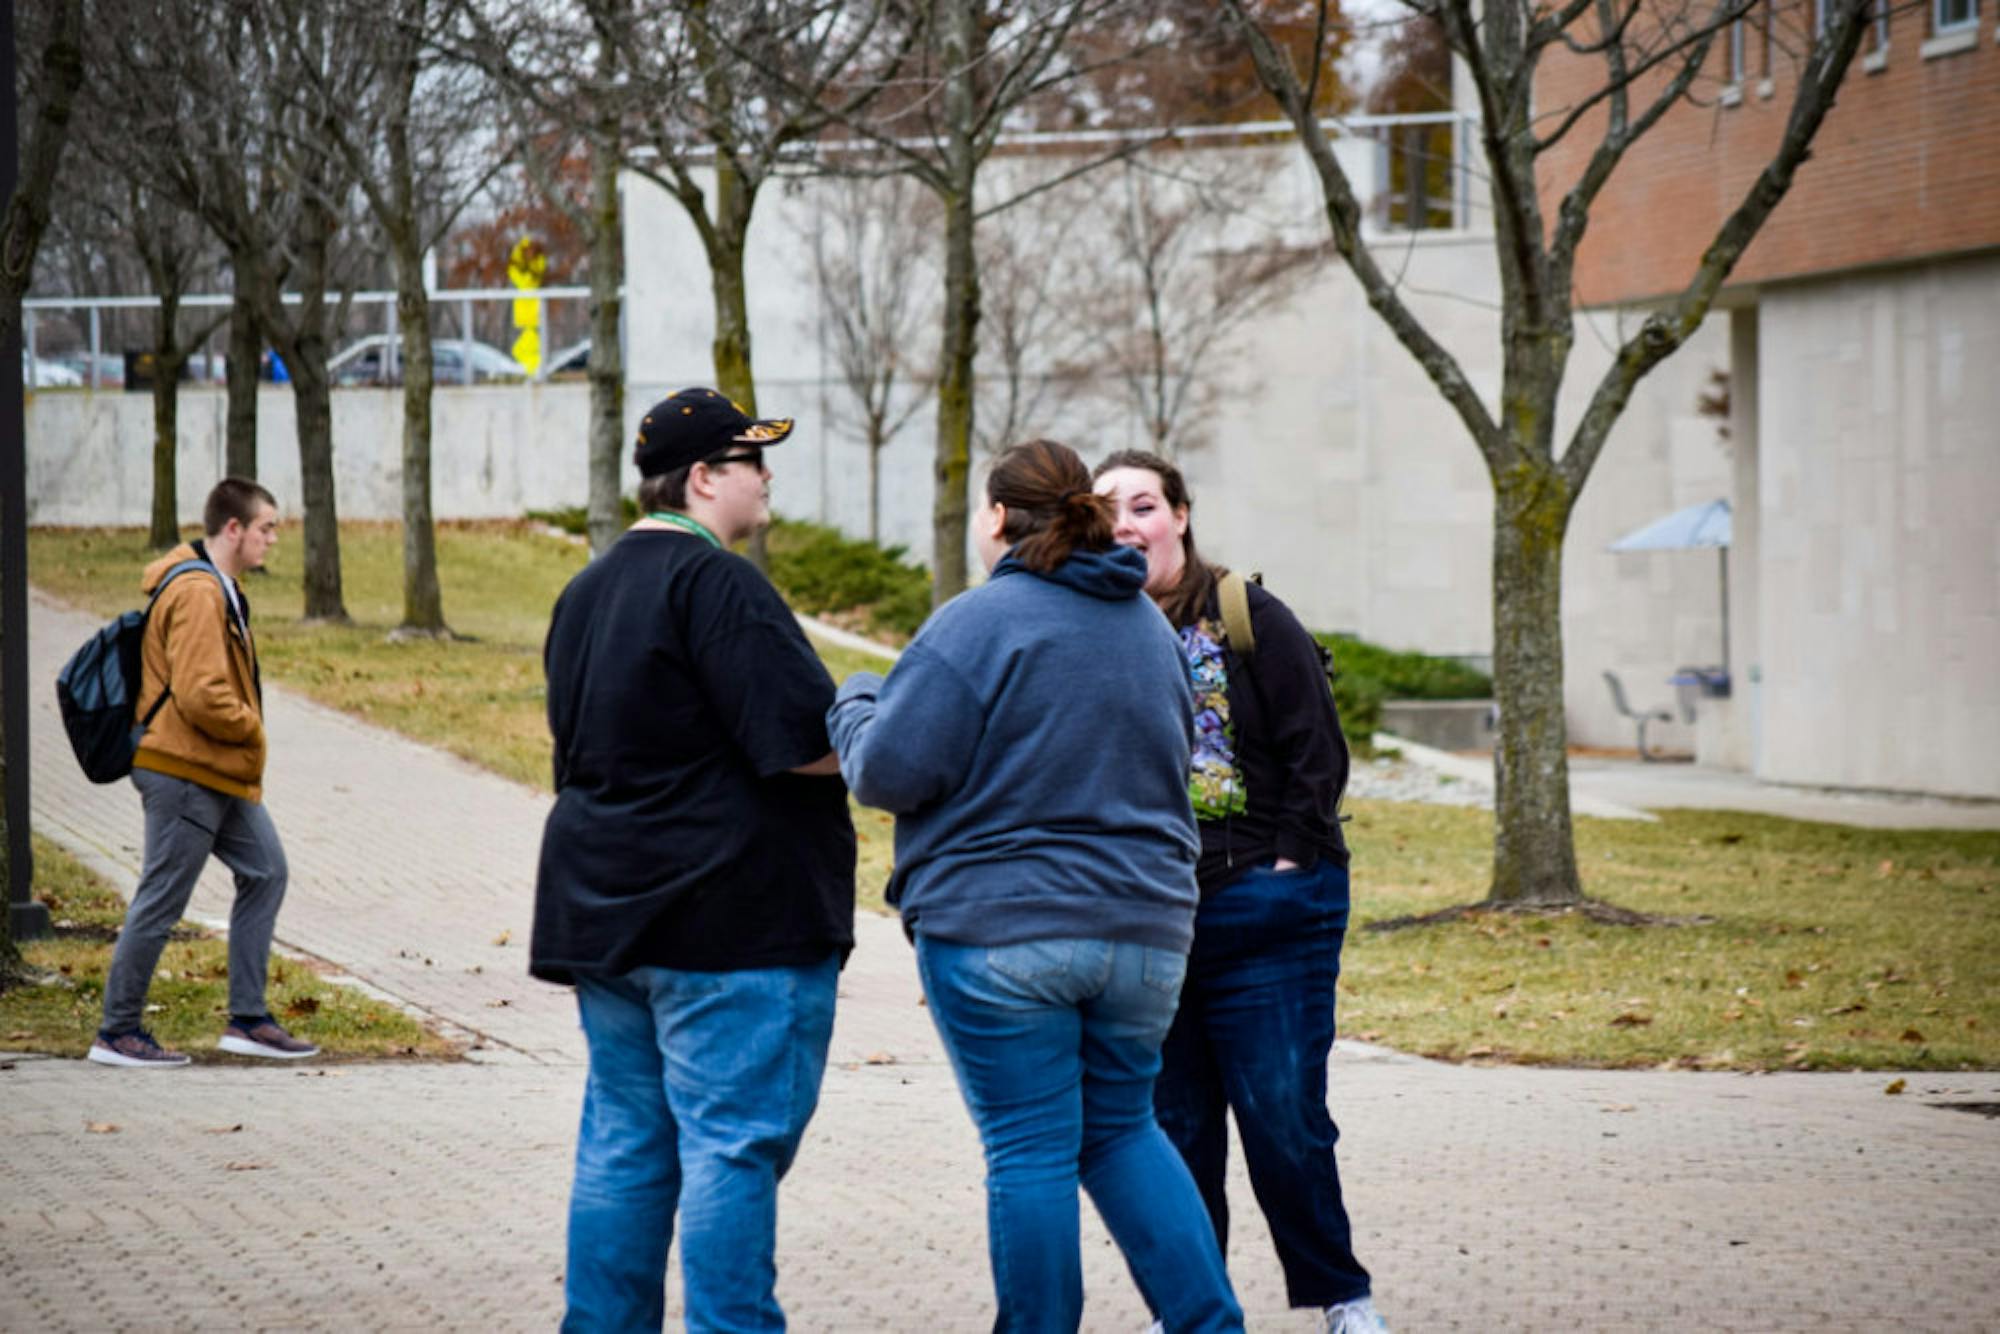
{"x":388,"y":1197}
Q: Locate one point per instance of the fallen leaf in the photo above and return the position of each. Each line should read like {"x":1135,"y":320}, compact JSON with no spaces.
{"x":878,"y":1058}
{"x":102,"y":1127}
{"x":1474,"y":1053}
{"x":300,"y":1006}
{"x":243,"y":1167}
{"x":223,"y":1130}
{"x":1732,"y":1015}
{"x":1856,"y":1008}
{"x":1886,"y":868}
{"x":1372,"y":1035}
{"x":503,"y":937}
{"x":1794,"y":980}
{"x":1631,"y":1019}
{"x":500,"y":1004}
{"x":1619,"y":1107}
{"x":1896,"y":1086}
{"x":1912,"y":1035}
{"x":20,"y":1033}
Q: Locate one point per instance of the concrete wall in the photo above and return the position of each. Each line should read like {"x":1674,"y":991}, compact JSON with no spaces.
{"x":1879,"y":558}
{"x":496,"y":451}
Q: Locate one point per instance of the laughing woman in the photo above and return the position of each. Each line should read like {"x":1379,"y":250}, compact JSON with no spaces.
{"x":1256,"y":1019}
{"x":1048,"y":880}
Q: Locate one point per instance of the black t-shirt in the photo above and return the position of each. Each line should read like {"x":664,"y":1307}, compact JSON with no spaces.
{"x":681,"y":690}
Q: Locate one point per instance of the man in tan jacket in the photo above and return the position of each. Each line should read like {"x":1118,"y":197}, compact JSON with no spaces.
{"x":200,"y":774}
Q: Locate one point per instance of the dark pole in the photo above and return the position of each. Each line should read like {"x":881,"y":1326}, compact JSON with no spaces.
{"x":28,"y":918}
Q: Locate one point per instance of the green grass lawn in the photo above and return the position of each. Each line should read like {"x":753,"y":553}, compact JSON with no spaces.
{"x":189,"y":1000}
{"x":1806,"y":946}
{"x":1810,"y":946}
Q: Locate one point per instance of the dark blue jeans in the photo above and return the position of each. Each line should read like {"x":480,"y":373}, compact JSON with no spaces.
{"x":1254,"y":1030}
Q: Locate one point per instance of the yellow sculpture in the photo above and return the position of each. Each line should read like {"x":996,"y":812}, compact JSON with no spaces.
{"x":526,"y":265}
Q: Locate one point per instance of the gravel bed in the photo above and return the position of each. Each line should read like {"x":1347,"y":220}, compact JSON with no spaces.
{"x":1392,"y":778}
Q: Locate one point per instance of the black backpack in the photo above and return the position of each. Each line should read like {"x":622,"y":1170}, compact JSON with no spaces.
{"x":98,"y":689}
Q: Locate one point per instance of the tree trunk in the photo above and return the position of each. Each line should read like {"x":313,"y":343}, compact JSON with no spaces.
{"x":875,"y":443}
{"x":731,"y":349}
{"x":423,"y":600}
{"x":166,"y":531}
{"x":246,"y":345}
{"x":953,"y":463}
{"x":1534,"y":853}
{"x":607,"y":360}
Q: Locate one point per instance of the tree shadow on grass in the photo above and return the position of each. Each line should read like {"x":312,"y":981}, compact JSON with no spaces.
{"x":1594,"y":910}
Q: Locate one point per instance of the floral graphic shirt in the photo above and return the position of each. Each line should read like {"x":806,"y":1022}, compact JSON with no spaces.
{"x":1215,"y":784}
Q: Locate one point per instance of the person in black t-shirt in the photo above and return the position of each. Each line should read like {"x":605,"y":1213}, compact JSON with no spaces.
{"x":696,"y":883}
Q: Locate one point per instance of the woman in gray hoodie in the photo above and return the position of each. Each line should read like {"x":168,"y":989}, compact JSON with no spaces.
{"x":1048,"y":881}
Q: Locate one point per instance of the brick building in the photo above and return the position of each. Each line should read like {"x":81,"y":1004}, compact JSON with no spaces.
{"x":1864,"y":368}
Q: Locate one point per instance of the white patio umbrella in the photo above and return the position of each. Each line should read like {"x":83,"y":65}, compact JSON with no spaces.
{"x":1697,"y":527}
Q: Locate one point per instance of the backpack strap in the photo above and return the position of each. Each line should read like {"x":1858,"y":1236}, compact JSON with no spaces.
{"x":1233,"y":593}
{"x":195,"y":564}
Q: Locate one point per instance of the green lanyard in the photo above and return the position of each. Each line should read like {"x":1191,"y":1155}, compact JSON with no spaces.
{"x":685,"y":524}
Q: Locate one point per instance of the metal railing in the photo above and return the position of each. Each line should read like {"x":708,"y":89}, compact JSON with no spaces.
{"x":461,"y":299}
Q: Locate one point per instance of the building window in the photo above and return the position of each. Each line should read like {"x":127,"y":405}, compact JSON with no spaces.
{"x":1877,"y":58}
{"x":1737,"y":39}
{"x":1948,"y":15}
{"x":1881,"y":25}
{"x":1823,"y":15}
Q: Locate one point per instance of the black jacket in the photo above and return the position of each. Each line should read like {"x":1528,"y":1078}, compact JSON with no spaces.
{"x":1289,"y":748}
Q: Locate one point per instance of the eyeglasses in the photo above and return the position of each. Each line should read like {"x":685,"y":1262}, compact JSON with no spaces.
{"x":753,"y":457}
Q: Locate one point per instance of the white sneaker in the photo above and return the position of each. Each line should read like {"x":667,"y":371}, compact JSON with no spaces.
{"x":1356,"y":1317}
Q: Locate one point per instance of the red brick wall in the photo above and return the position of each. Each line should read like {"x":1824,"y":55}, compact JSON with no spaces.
{"x":1907,"y":164}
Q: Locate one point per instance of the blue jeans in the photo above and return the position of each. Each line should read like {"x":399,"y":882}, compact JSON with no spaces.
{"x":1254,"y":1030}
{"x":1056,"y":1043}
{"x":700,"y":1086}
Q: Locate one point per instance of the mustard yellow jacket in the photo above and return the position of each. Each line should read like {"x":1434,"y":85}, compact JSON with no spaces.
{"x":211,"y":729}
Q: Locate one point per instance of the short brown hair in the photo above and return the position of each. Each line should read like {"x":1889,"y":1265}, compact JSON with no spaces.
{"x":236,"y":498}
{"x":1051,"y":510}
{"x":665,"y":491}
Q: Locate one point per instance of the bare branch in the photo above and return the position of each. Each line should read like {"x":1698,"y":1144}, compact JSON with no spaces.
{"x":1344,"y":216}
{"x":1665,"y":330}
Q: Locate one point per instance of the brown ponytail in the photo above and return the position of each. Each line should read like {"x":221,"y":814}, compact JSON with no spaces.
{"x":1051,"y":510}
{"x":1185,"y":602}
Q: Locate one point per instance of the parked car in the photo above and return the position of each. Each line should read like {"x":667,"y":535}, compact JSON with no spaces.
{"x":110,"y":368}
{"x":570,"y":363}
{"x":368,"y":361}
{"x":41,"y":373}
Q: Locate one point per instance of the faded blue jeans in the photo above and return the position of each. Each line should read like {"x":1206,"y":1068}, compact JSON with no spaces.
{"x":1256,"y":1024}
{"x":1056,"y":1043}
{"x":700,"y":1086}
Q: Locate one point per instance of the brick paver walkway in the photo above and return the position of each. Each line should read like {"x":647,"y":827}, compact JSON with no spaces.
{"x":375,"y":1197}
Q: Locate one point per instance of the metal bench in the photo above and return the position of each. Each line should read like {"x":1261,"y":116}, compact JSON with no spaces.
{"x":1639,"y":717}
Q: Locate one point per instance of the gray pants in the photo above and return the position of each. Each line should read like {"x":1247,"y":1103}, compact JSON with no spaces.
{"x":185,"y":822}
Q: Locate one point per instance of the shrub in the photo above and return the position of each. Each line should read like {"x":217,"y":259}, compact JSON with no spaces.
{"x":822,"y":572}
{"x":575,"y":520}
{"x":1368,"y":674}
{"x":1405,"y":675}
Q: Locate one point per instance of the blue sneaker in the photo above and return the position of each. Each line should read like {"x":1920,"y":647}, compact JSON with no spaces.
{"x":135,"y":1050}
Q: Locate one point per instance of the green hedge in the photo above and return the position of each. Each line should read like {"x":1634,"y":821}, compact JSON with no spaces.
{"x":820,"y":571}
{"x":1369,"y":674}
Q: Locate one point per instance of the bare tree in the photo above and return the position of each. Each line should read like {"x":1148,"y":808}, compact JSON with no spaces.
{"x":871,"y":243}
{"x":412,"y":143}
{"x":567,"y":96}
{"x":113,"y":213}
{"x":1038,"y":273}
{"x":978,"y":67}
{"x":1649,"y":54}
{"x":49,"y":84}
{"x":1197,"y":264}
